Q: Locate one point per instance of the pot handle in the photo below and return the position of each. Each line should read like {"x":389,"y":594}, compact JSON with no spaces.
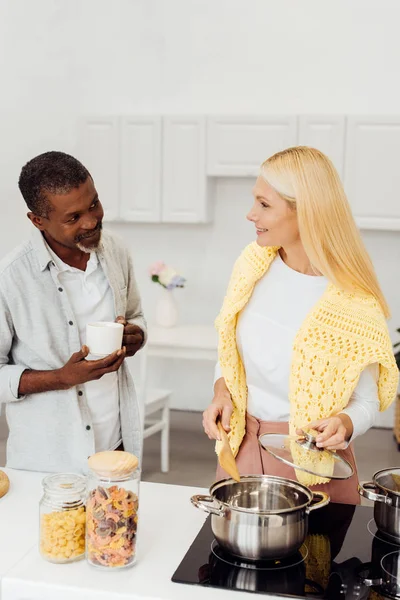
{"x":367,"y":489}
{"x":324,"y":500}
{"x":205,"y":503}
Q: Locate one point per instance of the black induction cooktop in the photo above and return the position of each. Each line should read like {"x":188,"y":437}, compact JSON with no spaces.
{"x":341,"y":559}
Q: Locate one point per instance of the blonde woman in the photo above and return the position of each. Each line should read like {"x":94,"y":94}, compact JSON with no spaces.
{"x":303,"y":340}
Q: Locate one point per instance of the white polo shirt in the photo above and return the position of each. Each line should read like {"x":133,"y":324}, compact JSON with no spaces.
{"x":91,"y":299}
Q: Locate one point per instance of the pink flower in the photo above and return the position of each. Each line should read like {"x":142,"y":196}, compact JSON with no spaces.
{"x":156,"y":268}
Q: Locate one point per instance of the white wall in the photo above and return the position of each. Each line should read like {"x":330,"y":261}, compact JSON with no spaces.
{"x":63,"y":58}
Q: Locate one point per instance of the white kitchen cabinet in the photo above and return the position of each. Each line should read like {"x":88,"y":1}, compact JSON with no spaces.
{"x":237,"y":145}
{"x":326,"y":133}
{"x":185,"y":194}
{"x":98,"y":150}
{"x":141,"y":169}
{"x":372,"y":174}
{"x":154,"y":169}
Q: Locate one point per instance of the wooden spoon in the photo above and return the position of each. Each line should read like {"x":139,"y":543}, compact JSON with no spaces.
{"x":225,"y":456}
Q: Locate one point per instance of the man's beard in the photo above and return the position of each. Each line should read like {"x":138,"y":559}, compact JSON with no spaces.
{"x":93,"y":247}
{"x":87,"y":249}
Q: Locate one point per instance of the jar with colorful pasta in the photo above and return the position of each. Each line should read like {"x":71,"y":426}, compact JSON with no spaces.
{"x":112,"y":510}
{"x":62,"y":518}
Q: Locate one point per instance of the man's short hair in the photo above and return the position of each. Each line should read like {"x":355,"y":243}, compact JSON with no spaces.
{"x":52,"y":172}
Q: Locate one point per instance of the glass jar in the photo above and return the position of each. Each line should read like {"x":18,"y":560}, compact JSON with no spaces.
{"x":112,"y":510}
{"x":62,"y":518}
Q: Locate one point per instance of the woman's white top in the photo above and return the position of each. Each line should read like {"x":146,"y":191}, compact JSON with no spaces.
{"x":265,"y":333}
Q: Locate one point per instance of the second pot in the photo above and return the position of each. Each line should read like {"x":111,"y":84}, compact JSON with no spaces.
{"x":384,"y":490}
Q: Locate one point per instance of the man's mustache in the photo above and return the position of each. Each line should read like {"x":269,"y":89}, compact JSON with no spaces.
{"x":98,"y":227}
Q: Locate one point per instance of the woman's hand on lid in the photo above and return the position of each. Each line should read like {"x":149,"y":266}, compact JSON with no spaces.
{"x":334,"y":432}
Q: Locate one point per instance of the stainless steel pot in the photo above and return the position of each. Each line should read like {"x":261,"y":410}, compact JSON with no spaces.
{"x":262,"y":517}
{"x":385,"y":492}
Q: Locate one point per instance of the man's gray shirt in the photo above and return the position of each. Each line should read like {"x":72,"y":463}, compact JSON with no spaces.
{"x":52,"y":431}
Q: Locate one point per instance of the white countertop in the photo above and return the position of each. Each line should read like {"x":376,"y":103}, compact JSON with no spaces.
{"x":19,"y":517}
{"x":168,"y":524}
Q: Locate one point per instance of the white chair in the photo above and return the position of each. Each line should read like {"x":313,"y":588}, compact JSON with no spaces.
{"x":155,"y":400}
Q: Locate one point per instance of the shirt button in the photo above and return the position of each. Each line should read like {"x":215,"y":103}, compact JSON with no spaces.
{"x":60,"y":289}
{"x":88,"y":427}
{"x":80,"y":393}
{"x":70,"y":322}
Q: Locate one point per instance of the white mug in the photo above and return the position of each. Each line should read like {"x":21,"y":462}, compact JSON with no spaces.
{"x":104,"y":337}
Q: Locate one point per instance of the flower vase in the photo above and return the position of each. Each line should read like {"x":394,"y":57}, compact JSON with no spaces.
{"x":167,"y":309}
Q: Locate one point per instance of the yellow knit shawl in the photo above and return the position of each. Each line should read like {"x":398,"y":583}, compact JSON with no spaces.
{"x":342,"y":334}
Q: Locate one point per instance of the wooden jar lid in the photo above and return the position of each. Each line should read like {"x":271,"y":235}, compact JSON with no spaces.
{"x":113,"y":463}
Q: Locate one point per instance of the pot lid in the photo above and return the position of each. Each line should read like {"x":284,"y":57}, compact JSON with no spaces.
{"x":302,"y":453}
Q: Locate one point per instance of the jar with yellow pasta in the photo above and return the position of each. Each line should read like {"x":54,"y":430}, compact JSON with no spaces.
{"x":63,"y":518}
{"x":112,"y":510}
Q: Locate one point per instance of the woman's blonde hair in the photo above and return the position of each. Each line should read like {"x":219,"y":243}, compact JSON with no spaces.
{"x":305,"y":177}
